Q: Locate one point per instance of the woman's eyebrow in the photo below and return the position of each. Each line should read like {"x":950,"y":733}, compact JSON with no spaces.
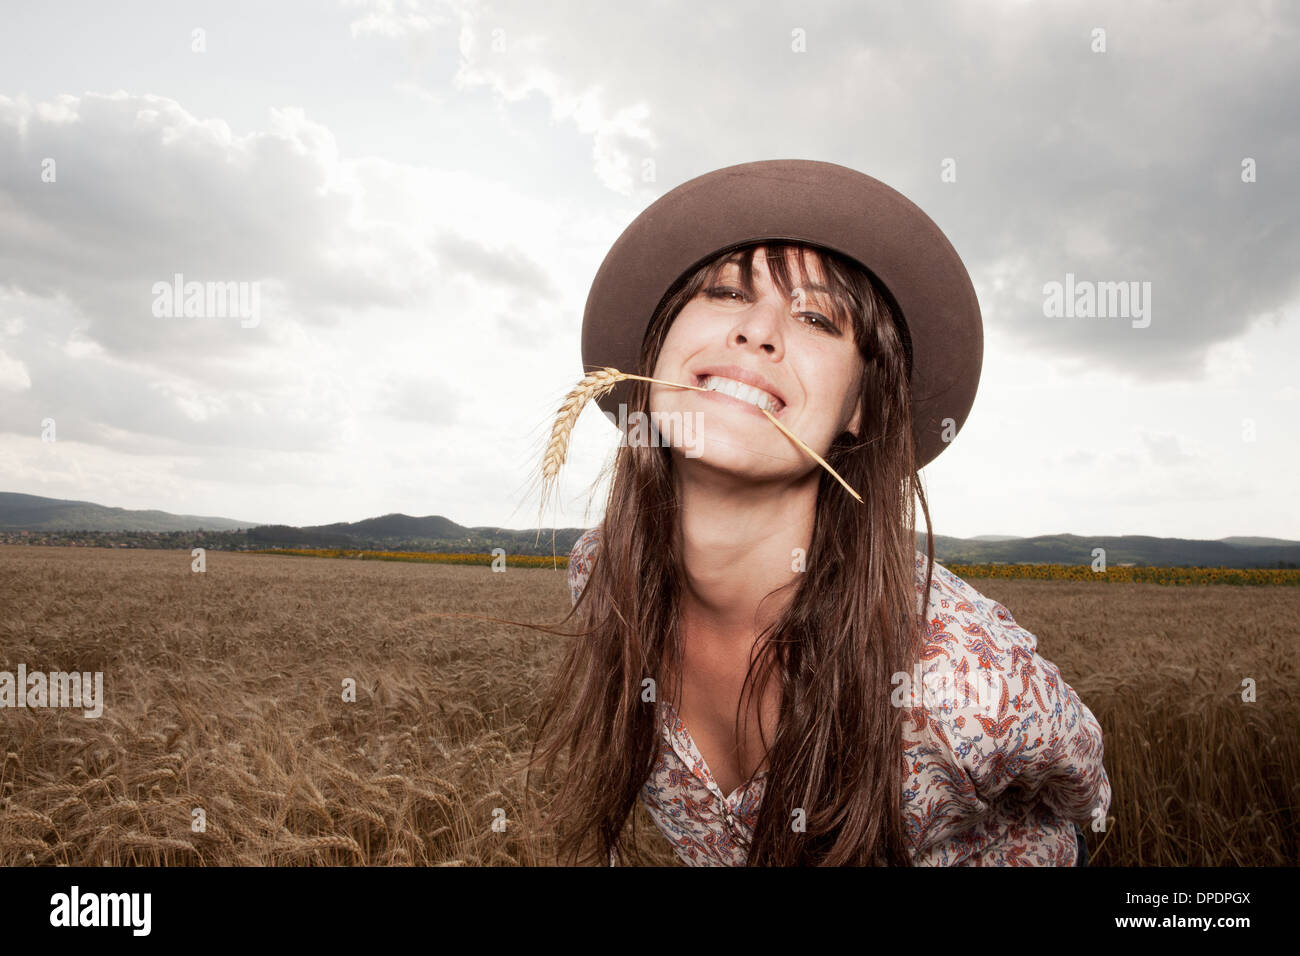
{"x":818,"y":287}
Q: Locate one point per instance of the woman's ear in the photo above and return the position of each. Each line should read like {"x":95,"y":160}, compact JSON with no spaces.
{"x":856,"y":423}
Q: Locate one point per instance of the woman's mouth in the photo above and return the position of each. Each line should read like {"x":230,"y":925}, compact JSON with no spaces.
{"x":727,"y":389}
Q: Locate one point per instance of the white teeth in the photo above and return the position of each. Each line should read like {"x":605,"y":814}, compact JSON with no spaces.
{"x":746,"y":393}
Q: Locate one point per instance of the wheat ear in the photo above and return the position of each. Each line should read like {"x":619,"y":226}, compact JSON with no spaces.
{"x":592,"y":387}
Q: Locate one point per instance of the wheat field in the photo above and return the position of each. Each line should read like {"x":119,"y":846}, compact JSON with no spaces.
{"x":224,"y":707}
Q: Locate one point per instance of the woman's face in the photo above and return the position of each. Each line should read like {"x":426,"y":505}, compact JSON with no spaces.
{"x":793,"y":348}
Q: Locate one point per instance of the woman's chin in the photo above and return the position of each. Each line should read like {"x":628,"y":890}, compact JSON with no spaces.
{"x":739,"y":454}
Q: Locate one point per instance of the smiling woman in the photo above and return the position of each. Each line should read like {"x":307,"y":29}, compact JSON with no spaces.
{"x":745,"y":620}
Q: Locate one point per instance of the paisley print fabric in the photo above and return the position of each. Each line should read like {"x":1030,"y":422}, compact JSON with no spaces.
{"x":1001,"y":757}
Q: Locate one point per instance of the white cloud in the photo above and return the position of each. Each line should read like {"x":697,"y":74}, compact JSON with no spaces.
{"x":392,"y":18}
{"x":13,"y":374}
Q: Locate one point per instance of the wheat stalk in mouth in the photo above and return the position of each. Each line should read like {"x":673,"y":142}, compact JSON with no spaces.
{"x":591,"y":388}
{"x":816,"y":457}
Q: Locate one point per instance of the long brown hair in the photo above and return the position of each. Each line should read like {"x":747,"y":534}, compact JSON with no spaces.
{"x":851,"y":623}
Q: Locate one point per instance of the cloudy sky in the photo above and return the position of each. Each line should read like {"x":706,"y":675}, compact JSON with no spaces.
{"x":423,"y":191}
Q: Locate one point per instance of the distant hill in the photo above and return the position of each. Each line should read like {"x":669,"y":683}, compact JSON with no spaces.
{"x":1120,"y":549}
{"x":34,"y":513}
{"x":396,"y":526}
{"x":399,"y":532}
{"x":1257,"y":542}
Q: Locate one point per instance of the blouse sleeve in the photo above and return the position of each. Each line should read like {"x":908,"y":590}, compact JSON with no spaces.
{"x":580,"y":561}
{"x":1014,"y":722}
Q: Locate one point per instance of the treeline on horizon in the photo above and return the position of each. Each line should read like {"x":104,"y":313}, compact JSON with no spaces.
{"x":285,"y":536}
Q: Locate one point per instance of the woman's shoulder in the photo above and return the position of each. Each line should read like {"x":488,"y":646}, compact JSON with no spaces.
{"x":999,"y":709}
{"x":581,"y":558}
{"x":953,"y":600}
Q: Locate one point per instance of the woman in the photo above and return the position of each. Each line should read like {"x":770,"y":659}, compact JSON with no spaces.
{"x":756,"y":669}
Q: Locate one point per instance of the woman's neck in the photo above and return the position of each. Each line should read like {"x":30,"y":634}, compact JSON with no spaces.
{"x":739,"y":544}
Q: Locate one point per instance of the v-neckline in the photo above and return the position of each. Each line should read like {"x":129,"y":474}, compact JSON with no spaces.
{"x":697,"y":758}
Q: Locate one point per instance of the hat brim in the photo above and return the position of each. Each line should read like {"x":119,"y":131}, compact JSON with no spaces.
{"x":809,"y":201}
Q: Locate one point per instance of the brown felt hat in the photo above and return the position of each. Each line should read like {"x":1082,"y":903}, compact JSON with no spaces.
{"x":821,"y":203}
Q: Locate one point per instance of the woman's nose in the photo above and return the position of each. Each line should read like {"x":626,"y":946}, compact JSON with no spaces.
{"x":762,"y":325}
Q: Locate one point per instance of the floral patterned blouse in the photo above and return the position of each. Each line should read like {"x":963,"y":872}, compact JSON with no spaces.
{"x":1002,"y":756}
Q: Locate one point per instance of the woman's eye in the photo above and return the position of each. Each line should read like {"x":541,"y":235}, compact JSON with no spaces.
{"x":823,"y":323}
{"x":721,"y":292}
